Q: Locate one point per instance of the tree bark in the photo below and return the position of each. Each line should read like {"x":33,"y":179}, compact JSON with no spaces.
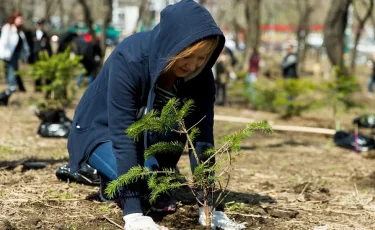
{"x":361,"y":24}
{"x":202,"y":2}
{"x":252,"y":16}
{"x":50,"y":8}
{"x":141,"y":12}
{"x":303,"y":30}
{"x":88,"y":17}
{"x":334,"y":31}
{"x":107,"y":21}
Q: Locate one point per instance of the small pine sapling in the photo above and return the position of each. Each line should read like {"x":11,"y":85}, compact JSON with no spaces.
{"x":210,"y":176}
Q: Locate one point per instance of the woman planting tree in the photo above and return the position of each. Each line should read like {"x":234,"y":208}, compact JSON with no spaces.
{"x":141,"y":74}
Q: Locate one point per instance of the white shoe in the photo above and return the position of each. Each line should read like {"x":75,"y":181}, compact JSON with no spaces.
{"x":219,"y":219}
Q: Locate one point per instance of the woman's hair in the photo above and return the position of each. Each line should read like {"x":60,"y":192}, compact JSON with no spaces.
{"x":13,"y":17}
{"x":210,"y":43}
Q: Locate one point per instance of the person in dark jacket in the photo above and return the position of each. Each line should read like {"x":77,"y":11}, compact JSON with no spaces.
{"x":289,"y":64}
{"x":143,"y":73}
{"x":65,"y":40}
{"x":91,"y":52}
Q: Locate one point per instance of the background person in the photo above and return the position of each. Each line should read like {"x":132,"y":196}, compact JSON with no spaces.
{"x":13,"y":43}
{"x":289,"y":63}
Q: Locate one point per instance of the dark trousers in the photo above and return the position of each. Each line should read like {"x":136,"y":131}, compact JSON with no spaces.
{"x":221,"y":90}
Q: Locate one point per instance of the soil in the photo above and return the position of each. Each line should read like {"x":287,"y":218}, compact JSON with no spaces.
{"x":284,"y":181}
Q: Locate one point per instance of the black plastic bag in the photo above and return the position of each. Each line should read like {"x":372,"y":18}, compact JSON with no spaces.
{"x":86,"y":175}
{"x":346,"y":140}
{"x":365,"y":121}
{"x":4,"y":97}
{"x":54,"y":124}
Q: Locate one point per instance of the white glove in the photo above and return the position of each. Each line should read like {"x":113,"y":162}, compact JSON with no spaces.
{"x":137,"y":221}
{"x":220,"y":220}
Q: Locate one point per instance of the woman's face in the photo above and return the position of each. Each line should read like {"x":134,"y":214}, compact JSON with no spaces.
{"x":18,"y":21}
{"x":185,"y":66}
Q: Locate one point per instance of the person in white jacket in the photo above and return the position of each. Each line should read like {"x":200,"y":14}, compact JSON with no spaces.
{"x":13,"y":45}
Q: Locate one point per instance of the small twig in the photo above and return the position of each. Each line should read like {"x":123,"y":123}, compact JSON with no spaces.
{"x":304,"y":189}
{"x":356,"y":190}
{"x":196,"y":124}
{"x":195,"y":196}
{"x":112,"y":222}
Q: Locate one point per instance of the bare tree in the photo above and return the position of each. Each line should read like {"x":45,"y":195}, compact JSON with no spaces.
{"x":107,"y":20}
{"x":304,"y":9}
{"x":202,"y":2}
{"x":252,"y":16}
{"x":143,"y":7}
{"x":29,"y":11}
{"x":368,"y":5}
{"x":334,"y":31}
{"x":50,"y":8}
{"x":89,"y":21}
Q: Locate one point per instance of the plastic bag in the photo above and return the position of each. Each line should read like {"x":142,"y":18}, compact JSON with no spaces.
{"x":54,"y":124}
{"x":365,"y":121}
{"x":347,"y":140}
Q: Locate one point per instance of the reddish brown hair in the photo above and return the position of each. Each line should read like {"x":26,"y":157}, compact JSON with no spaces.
{"x":209,"y":43}
{"x":13,"y":17}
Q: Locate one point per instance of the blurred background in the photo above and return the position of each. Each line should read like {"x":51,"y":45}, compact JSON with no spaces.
{"x":322,"y":33}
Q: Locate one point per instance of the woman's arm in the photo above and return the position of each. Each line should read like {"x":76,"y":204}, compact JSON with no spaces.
{"x":122,"y":110}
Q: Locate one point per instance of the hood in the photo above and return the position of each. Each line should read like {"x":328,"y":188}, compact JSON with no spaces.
{"x":181,"y":25}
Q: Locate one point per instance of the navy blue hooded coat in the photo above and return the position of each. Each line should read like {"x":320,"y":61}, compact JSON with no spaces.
{"x":127,"y":82}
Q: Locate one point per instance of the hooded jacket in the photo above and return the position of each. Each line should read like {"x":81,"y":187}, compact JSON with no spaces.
{"x":127,"y":81}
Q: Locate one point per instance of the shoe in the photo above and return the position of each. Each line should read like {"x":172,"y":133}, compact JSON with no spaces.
{"x":4,"y":97}
{"x":86,"y":175}
{"x":164,"y":203}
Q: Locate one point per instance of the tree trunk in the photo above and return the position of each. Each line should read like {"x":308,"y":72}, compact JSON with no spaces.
{"x":334,"y":31}
{"x":372,"y":17}
{"x":71,"y":13}
{"x":62,"y":14}
{"x":141,"y":12}
{"x":361,"y":24}
{"x":107,"y":21}
{"x":202,"y":2}
{"x":252,"y":15}
{"x":88,"y":17}
{"x":303,"y":31}
{"x":50,"y":9}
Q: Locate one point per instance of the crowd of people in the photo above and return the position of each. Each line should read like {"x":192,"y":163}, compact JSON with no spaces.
{"x":20,"y":44}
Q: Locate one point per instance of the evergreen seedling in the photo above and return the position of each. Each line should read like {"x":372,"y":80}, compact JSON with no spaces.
{"x":57,"y":71}
{"x":210,"y":176}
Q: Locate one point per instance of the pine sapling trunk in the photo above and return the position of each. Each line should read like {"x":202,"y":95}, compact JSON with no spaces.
{"x":207,"y":210}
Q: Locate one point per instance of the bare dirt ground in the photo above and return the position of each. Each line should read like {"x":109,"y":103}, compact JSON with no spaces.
{"x":284,"y":181}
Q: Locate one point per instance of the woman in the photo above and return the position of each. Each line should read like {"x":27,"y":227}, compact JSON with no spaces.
{"x":143,"y":73}
{"x":13,"y":45}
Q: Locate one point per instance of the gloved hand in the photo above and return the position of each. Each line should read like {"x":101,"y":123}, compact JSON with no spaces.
{"x":220,"y":220}
{"x":137,"y":221}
